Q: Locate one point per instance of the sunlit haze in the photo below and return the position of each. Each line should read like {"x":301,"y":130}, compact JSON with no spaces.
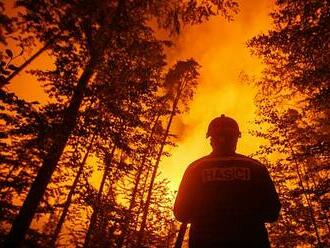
{"x":220,"y":49}
{"x":105,"y":104}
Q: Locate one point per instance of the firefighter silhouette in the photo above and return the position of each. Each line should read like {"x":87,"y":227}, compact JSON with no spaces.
{"x":227,"y":197}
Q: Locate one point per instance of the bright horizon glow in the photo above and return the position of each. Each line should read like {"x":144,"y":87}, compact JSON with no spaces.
{"x":220,"y":48}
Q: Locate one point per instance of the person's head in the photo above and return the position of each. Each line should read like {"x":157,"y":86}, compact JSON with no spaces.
{"x":224,"y":133}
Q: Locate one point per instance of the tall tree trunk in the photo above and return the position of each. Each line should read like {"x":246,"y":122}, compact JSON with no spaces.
{"x":159,"y":155}
{"x":23,"y":220}
{"x":71,"y":192}
{"x":39,"y":185}
{"x":125,"y":228}
{"x":311,"y":175}
{"x":304,"y":190}
{"x":94,"y":216}
{"x":141,"y":192}
{"x":305,"y":193}
{"x":109,"y":195}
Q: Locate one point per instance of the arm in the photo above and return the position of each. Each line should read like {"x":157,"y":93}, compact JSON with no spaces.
{"x":184,"y":200}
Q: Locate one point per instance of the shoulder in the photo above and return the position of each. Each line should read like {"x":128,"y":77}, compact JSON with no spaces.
{"x":247,"y":159}
{"x":251,"y":161}
{"x":236,"y":158}
{"x":199,"y":162}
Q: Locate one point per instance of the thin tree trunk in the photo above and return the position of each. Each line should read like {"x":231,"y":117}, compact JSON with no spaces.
{"x":109,"y":195}
{"x":310,"y":207}
{"x":22,"y":222}
{"x":71,"y":192}
{"x":39,"y":185}
{"x":141,"y":205}
{"x":314,"y":187}
{"x":98,"y":199}
{"x":160,"y":153}
{"x":26,"y":63}
{"x":136,"y":185}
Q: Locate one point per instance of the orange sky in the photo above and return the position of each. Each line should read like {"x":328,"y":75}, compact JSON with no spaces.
{"x":220,"y":49}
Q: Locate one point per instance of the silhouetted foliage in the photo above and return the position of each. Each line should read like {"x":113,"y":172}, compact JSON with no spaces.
{"x":105,"y":96}
{"x":293,"y":104}
{"x":180,"y":83}
{"x":6,"y":24}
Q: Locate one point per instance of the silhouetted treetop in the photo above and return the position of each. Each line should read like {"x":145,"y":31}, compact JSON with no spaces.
{"x":293,"y":105}
{"x":105,"y":91}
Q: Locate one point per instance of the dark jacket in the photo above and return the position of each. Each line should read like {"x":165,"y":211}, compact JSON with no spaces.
{"x":227,"y":200}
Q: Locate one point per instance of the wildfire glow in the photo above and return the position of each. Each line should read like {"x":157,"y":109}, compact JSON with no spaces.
{"x":219,"y":47}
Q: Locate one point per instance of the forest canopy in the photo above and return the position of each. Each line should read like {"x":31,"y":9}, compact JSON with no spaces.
{"x":113,"y":99}
{"x":293,"y":102}
{"x":82,"y":168}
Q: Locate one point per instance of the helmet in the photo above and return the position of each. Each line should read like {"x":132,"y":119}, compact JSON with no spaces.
{"x":223,"y":126}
